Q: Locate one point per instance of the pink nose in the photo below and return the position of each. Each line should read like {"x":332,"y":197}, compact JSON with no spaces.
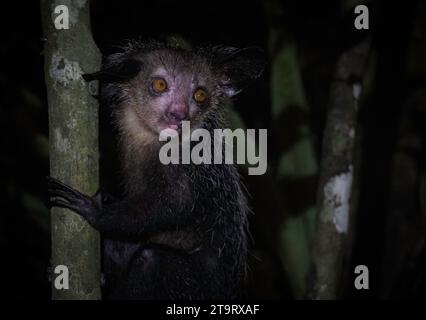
{"x":177,"y":115}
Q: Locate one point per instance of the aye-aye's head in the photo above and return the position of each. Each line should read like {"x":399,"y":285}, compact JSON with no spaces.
{"x":159,"y":86}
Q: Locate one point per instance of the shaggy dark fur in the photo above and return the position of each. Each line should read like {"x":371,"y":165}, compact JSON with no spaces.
{"x":181,"y":230}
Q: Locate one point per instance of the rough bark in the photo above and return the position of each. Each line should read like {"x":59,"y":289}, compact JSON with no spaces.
{"x":73,"y":139}
{"x":336,"y":175}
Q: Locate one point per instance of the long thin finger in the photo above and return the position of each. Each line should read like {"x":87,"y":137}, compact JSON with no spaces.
{"x":60,"y":193}
{"x":58,"y":202}
{"x":56,"y":184}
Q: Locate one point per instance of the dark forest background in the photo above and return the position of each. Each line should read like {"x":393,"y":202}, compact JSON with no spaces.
{"x":304,"y":40}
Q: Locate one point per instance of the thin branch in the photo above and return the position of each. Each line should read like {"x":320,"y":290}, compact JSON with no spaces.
{"x":336,"y":176}
{"x":73,"y":138}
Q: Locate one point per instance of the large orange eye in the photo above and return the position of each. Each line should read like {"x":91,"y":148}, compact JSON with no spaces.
{"x":159,"y":85}
{"x":200,"y":95}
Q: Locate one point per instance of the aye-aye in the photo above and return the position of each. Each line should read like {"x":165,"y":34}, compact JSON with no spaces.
{"x":180,"y":231}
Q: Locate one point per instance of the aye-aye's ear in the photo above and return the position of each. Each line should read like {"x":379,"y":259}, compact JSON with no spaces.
{"x":116,"y":72}
{"x":236,"y":68}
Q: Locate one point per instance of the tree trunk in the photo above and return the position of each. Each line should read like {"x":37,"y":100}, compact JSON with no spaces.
{"x":336,"y":178}
{"x":73,"y":139}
